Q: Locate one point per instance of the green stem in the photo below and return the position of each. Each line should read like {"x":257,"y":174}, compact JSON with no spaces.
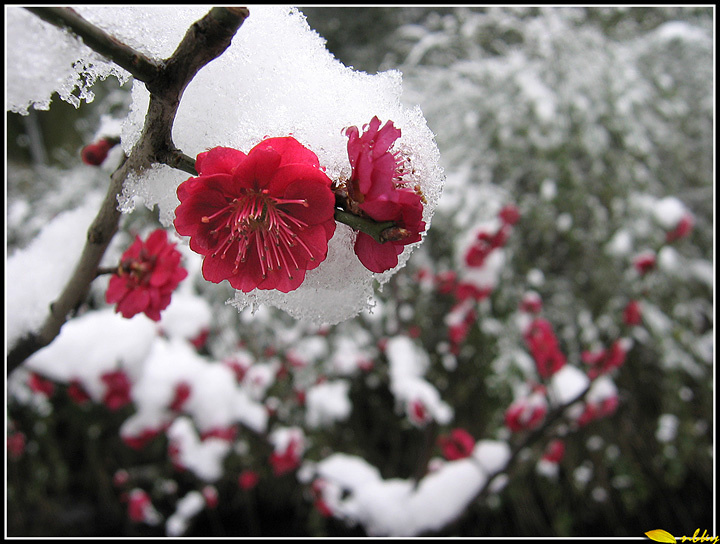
{"x":363,"y":224}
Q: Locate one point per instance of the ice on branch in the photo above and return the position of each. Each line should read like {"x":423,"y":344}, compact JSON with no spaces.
{"x":44,"y":60}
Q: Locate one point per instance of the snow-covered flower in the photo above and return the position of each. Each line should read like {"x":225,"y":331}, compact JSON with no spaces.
{"x":459,"y":444}
{"x":141,"y":509}
{"x":605,"y":360}
{"x":260,"y":220}
{"x":148,"y":274}
{"x":543,"y":346}
{"x":632,"y":314}
{"x":644,"y":262}
{"x":117,"y":389}
{"x":289,"y":446}
{"x":527,"y":413}
{"x":376,"y":189}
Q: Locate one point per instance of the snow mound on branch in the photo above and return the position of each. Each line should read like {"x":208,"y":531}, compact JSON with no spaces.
{"x":33,"y":288}
{"x":355,"y":491}
{"x":278,"y":79}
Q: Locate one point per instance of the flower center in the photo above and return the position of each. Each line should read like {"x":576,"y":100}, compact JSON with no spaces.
{"x":258,"y":222}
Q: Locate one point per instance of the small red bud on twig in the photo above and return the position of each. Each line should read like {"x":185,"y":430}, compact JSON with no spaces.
{"x":95,"y":154}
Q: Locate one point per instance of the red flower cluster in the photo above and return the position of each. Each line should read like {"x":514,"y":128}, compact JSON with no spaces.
{"x":38,"y":384}
{"x":117,"y":389}
{"x":554,"y":452}
{"x":286,"y":460}
{"x":632,"y":314}
{"x":543,"y":346}
{"x":375,"y":189}
{"x":527,"y":413}
{"x":140,"y":508}
{"x":458,"y":445}
{"x":605,"y":360}
{"x":418,"y":413}
{"x":644,"y":262}
{"x":597,"y":410}
{"x":683,"y":228}
{"x":248,"y":479}
{"x":260,"y":220}
{"x":148,"y":274}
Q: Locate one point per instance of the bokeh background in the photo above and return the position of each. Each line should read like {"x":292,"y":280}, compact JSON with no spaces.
{"x":583,"y":118}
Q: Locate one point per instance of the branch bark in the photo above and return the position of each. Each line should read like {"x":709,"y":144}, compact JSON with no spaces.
{"x":205,"y":40}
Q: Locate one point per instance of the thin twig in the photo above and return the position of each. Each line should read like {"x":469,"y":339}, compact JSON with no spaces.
{"x":140,"y":67}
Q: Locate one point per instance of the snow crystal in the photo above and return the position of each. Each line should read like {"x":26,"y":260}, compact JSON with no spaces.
{"x":44,"y":59}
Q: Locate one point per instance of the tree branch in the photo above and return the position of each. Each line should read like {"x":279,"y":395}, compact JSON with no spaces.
{"x":205,"y":40}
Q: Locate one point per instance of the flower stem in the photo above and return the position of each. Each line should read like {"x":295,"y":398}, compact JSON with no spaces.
{"x":366,"y":225}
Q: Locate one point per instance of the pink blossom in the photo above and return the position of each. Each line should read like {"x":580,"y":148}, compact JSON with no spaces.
{"x":597,"y":410}
{"x":286,"y":460}
{"x":510,"y":214}
{"x":458,"y":445}
{"x":375,"y":189}
{"x":527,"y":413}
{"x":38,"y":384}
{"x":260,"y":220}
{"x":148,"y":274}
{"x":117,"y":389}
{"x":121,"y":477}
{"x":632,"y":314}
{"x":644,"y":262}
{"x":76,"y":391}
{"x":682,"y":229}
{"x":210,"y":494}
{"x":418,"y":412}
{"x":543,"y":346}
{"x":531,"y":303}
{"x":16,"y":444}
{"x":555,"y":451}
{"x":94,"y":154}
{"x":223,"y":433}
{"x":140,"y":508}
{"x":605,"y":360}
{"x":248,"y":479}
{"x":182,"y":394}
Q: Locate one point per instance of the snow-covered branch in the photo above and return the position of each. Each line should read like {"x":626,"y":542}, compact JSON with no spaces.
{"x":206,"y":40}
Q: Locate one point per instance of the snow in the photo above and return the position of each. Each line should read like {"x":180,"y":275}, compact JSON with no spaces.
{"x":408,"y":365}
{"x":204,"y":458}
{"x":35,"y":287}
{"x":396,"y":507}
{"x":51,"y":61}
{"x":327,"y":403}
